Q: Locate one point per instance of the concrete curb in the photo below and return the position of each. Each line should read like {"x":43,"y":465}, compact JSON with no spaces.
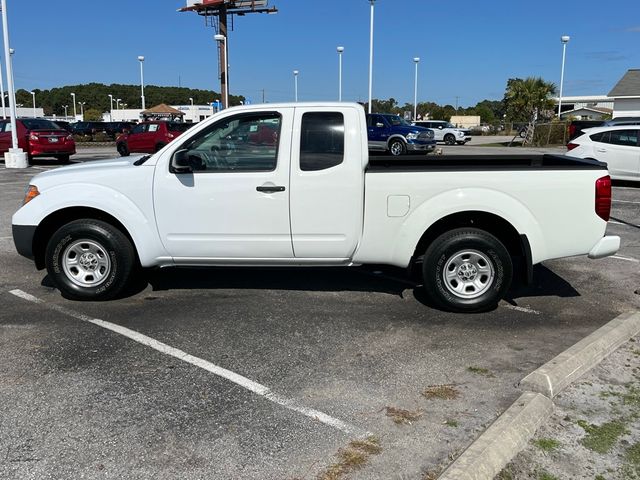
{"x":512,"y":430}
{"x":554,"y":376}
{"x":507,"y":436}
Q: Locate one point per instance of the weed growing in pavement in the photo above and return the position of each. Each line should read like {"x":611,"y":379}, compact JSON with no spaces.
{"x":599,"y":477}
{"x":546,"y":444}
{"x":632,"y":396}
{"x":480,"y":371}
{"x":504,"y":474}
{"x":601,"y":438}
{"x":355,"y":456}
{"x":444,"y":392}
{"x":544,"y":475}
{"x":401,"y":416}
{"x":633,"y":454}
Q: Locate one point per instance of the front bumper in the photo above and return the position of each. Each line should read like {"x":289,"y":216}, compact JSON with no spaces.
{"x":23,"y":239}
{"x":421,"y":146}
{"x":608,"y":245}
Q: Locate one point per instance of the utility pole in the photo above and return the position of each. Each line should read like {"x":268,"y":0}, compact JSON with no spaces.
{"x":222,"y":52}
{"x":263,"y":96}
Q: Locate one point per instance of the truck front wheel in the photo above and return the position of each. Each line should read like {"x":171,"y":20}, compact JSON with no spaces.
{"x":397,"y":147}
{"x":449,"y":139}
{"x":89,"y":260}
{"x":466,"y":270}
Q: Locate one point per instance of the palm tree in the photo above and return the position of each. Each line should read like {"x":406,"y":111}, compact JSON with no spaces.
{"x":527,"y":99}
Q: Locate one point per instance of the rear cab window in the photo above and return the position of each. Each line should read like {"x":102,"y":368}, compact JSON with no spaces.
{"x":321,"y":141}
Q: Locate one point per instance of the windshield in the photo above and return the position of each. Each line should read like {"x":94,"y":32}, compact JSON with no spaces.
{"x":395,"y":120}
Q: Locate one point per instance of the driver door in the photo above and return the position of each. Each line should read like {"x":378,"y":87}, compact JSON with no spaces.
{"x":235,"y":202}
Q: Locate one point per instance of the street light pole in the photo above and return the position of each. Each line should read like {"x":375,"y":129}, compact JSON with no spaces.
{"x":340,"y":50}
{"x":4,"y":109}
{"x":118,"y":100}
{"x":110,"y":107}
{"x":75,"y":112}
{"x":295,"y":84}
{"x":141,"y":59}
{"x":371,"y":54}
{"x":223,"y":69}
{"x":82,"y":104}
{"x":10,"y":85}
{"x":416,"y":60}
{"x":33,"y":94}
{"x":564,"y":39}
{"x":65,"y":110}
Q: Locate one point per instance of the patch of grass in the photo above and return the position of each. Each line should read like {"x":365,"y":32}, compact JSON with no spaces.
{"x":544,"y":475}
{"x":631,"y":396}
{"x":401,"y":416}
{"x":351,"y":458}
{"x":633,"y":454}
{"x":636,"y":352}
{"x":480,"y":371}
{"x":443,"y":392}
{"x":451,"y":423}
{"x":546,"y":444}
{"x":599,"y":477}
{"x":504,"y":474}
{"x":601,"y":439}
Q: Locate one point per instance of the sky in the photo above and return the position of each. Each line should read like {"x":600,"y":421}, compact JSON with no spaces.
{"x":468,"y":49}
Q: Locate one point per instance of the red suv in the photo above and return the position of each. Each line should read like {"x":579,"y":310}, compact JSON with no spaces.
{"x":149,"y":137}
{"x":38,"y":137}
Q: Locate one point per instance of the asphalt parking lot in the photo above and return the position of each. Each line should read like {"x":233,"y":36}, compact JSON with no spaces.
{"x":270,"y":373}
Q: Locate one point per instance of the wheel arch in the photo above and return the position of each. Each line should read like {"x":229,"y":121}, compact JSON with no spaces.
{"x":396,"y":136}
{"x":52,"y":222}
{"x":517,"y":244}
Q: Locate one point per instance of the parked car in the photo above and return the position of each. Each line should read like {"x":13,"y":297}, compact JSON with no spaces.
{"x":113,"y":129}
{"x":63,"y":125}
{"x":88,"y":128}
{"x":617,"y":146}
{"x":38,"y":138}
{"x":446,"y":132}
{"x":622,"y":121}
{"x":393,"y":134}
{"x":312,"y":195}
{"x":149,"y":137}
{"x":577,"y":127}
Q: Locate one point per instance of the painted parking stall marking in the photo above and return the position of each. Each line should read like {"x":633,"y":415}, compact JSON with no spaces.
{"x":627,"y":259}
{"x":240,"y":380}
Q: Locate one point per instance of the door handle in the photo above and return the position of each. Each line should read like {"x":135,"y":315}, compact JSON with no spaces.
{"x":270,"y":189}
{"x":601,"y":150}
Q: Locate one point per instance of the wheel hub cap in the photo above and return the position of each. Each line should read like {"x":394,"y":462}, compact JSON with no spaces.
{"x":468,"y":274}
{"x":86,"y":263}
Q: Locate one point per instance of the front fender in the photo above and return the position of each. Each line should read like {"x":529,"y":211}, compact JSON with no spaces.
{"x":139,"y":222}
{"x":463,"y":200}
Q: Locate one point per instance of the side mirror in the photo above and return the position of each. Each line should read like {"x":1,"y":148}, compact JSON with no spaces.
{"x":180,"y":162}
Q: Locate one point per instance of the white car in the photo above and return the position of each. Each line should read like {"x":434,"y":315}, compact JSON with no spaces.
{"x":446,"y":132}
{"x":618,"y":147}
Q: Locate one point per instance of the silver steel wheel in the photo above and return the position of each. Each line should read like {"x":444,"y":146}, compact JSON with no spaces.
{"x":86,"y":263}
{"x":468,"y":274}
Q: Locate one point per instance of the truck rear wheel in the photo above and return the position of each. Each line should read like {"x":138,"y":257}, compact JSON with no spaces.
{"x":123,"y":150}
{"x":89,"y":260}
{"x":397,"y":147}
{"x":466,"y":270}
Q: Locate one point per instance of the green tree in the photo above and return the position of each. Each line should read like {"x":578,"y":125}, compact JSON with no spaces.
{"x":92,"y":115}
{"x":528,"y":98}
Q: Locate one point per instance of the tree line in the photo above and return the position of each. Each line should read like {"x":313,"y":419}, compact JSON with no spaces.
{"x":96,"y":97}
{"x":523,"y":99}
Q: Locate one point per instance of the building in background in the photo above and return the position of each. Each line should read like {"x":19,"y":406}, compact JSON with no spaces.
{"x":626,"y":95}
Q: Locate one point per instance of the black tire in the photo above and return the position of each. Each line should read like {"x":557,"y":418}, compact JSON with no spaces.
{"x":123,"y":150}
{"x":461,"y":143}
{"x":479,"y":270}
{"x":89,"y":259}
{"x":397,"y":147}
{"x":63,"y":158}
{"x":160,"y":146}
{"x":449,"y":139}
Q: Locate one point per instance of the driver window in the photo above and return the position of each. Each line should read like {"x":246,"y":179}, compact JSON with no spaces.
{"x":247,"y":142}
{"x":138,"y":129}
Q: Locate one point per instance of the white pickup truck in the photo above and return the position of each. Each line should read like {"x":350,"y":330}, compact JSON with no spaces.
{"x":293,"y":184}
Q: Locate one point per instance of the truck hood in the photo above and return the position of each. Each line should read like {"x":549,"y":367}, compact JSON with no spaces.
{"x":409,"y":129}
{"x":85,"y":172}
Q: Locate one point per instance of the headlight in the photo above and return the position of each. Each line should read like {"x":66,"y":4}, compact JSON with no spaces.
{"x":461,"y":134}
{"x":31,"y":193}
{"x":412,"y":136}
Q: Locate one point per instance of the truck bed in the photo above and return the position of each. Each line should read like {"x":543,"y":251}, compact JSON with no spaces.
{"x":421,"y":163}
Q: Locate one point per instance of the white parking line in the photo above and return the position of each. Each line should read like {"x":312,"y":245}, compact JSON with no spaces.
{"x":244,"y":382}
{"x":625,"y":201}
{"x":624,"y":224}
{"x":627,"y":259}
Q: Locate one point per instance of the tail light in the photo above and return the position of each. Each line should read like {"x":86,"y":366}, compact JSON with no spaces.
{"x":34,"y":137}
{"x":571,"y":146}
{"x":603,"y":197}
